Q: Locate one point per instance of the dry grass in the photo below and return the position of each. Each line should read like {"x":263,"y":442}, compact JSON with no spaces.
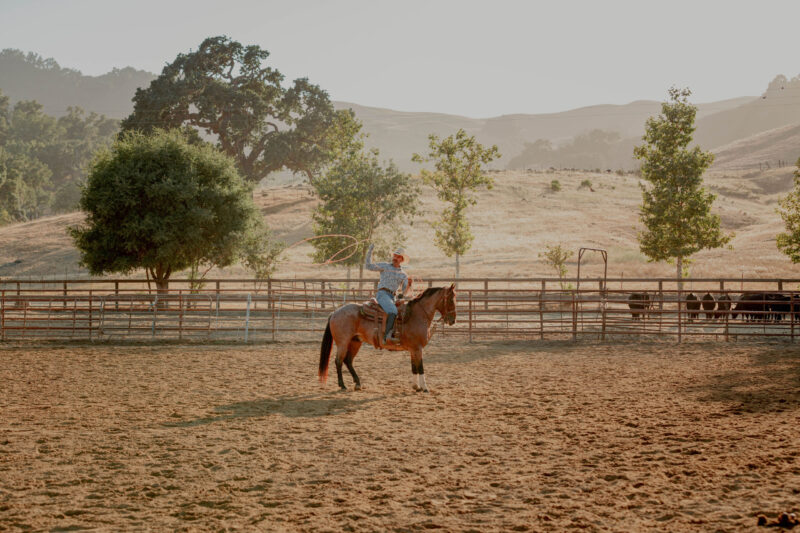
{"x":514,"y":437}
{"x":512,"y":223}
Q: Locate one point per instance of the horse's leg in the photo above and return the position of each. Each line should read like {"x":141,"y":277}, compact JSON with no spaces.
{"x":419,"y":370}
{"x":352,"y":350}
{"x":341,"y":353}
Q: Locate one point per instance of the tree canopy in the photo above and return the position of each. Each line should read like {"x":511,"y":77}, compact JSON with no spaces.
{"x":43,"y":159}
{"x":226,"y":90}
{"x":458,"y":161}
{"x":361,"y":197}
{"x":160,"y":203}
{"x":789,"y":242}
{"x":676,"y":208}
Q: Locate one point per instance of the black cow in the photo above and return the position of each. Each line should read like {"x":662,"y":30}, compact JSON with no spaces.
{"x":752,"y":306}
{"x":723,"y":305}
{"x":639,"y":303}
{"x":692,"y":304}
{"x":779,"y":305}
{"x":709,"y":304}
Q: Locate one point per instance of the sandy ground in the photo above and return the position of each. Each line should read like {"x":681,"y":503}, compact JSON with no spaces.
{"x":513,"y":437}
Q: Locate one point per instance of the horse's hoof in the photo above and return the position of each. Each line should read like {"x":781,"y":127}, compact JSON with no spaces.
{"x":416,"y":388}
{"x":342,"y":389}
{"x":425,"y":390}
{"x":358,"y":387}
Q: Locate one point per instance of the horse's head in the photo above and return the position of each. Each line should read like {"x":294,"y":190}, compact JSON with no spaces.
{"x":447,"y":304}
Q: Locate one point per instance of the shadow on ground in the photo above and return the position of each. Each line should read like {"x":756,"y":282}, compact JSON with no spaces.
{"x":309,"y":406}
{"x":771,"y":385}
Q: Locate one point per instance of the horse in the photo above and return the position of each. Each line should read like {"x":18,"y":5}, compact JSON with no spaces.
{"x":348,"y":329}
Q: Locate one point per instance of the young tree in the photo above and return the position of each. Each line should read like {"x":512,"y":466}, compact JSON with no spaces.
{"x":459,"y":161}
{"x":789,"y":242}
{"x":226,"y":90}
{"x":676,"y":208}
{"x":362,"y":198}
{"x":261,"y":252}
{"x":159,"y":203}
{"x":556,"y":257}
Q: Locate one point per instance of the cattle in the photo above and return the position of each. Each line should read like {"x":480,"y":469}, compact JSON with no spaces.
{"x":709,"y":304}
{"x":723,"y":305}
{"x":692,"y":304}
{"x":779,"y":305}
{"x":639,"y":303}
{"x":752,"y":306}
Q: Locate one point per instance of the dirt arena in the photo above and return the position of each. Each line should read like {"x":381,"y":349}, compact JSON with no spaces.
{"x":513,"y":437}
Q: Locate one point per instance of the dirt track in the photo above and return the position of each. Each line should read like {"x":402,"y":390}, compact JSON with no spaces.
{"x":520,"y":436}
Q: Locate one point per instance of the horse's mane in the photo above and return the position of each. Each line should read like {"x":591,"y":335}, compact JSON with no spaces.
{"x":427,"y":292}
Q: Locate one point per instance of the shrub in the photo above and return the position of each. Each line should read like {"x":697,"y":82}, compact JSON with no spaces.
{"x":555,"y":186}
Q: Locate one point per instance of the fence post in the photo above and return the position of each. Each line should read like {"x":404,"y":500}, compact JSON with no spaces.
{"x":65,"y":295}
{"x":116,"y":295}
{"x":603,"y":306}
{"x":470,"y":316}
{"x":247,"y":319}
{"x":90,"y":314}
{"x":791,"y":314}
{"x":217,"y":292}
{"x":780,"y":284}
{"x":541,"y":312}
{"x":2,"y":315}
{"x":679,"y":316}
{"x":574,"y":318}
{"x":727,"y":316}
{"x":485,"y":294}
{"x":155,"y":310}
{"x":180,"y":314}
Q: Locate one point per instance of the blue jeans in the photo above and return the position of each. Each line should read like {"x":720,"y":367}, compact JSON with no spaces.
{"x":386,"y":302}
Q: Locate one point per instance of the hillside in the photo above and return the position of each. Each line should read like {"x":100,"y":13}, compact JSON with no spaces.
{"x":397,"y":134}
{"x":512,"y":224}
{"x":763,"y":148}
{"x":779,"y":106}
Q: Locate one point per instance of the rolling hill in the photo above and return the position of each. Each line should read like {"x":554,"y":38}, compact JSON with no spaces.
{"x":397,"y":134}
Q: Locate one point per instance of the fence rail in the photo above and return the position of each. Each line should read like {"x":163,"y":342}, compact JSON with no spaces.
{"x":271,"y":310}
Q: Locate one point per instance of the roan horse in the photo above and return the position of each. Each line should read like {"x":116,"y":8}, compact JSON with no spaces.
{"x":348,"y":329}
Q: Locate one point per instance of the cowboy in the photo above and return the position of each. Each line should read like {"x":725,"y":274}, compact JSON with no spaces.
{"x":392,"y":277}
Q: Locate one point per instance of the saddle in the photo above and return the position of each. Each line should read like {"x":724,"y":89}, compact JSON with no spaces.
{"x":372,"y":311}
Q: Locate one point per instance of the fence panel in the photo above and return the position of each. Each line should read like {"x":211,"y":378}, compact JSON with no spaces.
{"x":296,"y":310}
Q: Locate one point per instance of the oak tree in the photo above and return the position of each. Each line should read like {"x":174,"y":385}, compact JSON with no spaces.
{"x":227,"y":91}
{"x":160,"y":203}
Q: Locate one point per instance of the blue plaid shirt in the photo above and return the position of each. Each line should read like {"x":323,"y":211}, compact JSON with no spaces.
{"x":392,"y":277}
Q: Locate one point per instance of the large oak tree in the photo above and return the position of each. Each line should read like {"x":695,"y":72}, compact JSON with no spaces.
{"x":227,"y":91}
{"x":159,"y":203}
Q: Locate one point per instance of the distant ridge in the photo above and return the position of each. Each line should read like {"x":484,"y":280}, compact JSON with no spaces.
{"x":399,"y":134}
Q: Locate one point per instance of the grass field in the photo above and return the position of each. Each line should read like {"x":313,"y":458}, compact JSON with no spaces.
{"x":513,"y":437}
{"x":512,"y":223}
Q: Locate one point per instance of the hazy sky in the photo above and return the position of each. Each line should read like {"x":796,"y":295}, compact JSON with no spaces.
{"x":474,"y":58}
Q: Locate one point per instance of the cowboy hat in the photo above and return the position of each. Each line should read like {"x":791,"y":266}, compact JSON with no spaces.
{"x":402,"y":253}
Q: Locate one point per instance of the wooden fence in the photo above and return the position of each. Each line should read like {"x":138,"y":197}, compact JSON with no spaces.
{"x":244,"y":310}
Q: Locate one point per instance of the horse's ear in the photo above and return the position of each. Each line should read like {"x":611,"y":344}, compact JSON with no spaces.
{"x":452,"y":287}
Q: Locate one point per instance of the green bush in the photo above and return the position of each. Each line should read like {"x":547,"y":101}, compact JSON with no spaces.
{"x":555,"y":186}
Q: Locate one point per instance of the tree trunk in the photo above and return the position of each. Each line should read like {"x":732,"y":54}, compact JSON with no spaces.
{"x":679,"y":272}
{"x":458,"y":257}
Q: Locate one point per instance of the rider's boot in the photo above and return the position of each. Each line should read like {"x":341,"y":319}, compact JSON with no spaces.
{"x":390,"y":318}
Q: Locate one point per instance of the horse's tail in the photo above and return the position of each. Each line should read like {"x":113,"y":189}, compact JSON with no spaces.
{"x":325,"y":353}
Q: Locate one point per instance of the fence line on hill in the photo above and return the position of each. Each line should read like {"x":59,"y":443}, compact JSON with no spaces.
{"x":297,"y":310}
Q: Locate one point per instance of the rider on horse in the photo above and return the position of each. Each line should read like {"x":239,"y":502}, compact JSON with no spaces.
{"x":392,"y":277}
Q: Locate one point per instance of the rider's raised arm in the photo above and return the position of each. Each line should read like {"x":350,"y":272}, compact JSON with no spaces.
{"x":368,"y":264}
